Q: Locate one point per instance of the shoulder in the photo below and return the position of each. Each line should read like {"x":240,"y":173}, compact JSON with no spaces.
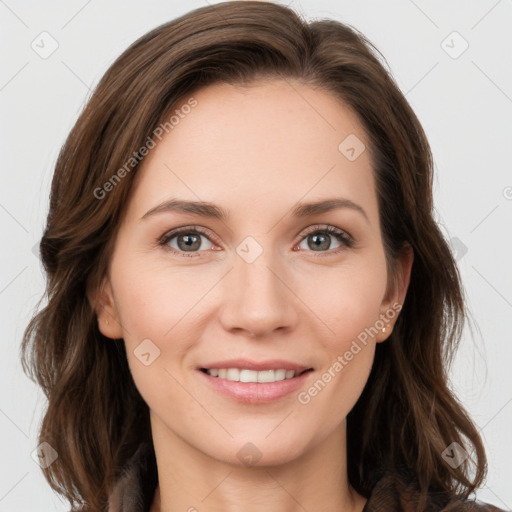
{"x":399,"y":491}
{"x":135,"y":483}
{"x":135,"y":488}
{"x":470,"y":506}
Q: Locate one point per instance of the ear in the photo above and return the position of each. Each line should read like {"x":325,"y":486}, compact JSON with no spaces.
{"x":397,"y":290}
{"x":103,"y":303}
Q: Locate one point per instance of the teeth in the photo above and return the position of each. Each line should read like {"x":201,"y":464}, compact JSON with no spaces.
{"x":247,"y":376}
{"x":281,"y":374}
{"x":233,"y":374}
{"x":243,"y":375}
{"x":269,"y":376}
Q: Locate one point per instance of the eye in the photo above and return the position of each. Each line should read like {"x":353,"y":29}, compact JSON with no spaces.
{"x":188,"y":240}
{"x":320,"y":237}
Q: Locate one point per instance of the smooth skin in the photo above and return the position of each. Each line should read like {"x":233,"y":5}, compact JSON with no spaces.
{"x":256,"y":152}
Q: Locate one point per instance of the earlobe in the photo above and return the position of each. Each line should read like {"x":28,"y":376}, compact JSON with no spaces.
{"x":385,"y":332}
{"x":104,"y":305}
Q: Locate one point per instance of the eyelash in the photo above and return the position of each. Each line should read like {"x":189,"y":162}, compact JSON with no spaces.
{"x":343,"y":237}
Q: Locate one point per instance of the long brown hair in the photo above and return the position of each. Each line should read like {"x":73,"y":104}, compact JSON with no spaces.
{"x":406,"y":415}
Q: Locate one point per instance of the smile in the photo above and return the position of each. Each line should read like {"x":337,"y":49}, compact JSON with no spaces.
{"x":244,"y":375}
{"x":254,"y":387}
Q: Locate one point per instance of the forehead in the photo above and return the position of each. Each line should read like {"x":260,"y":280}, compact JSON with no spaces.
{"x":278,"y":140}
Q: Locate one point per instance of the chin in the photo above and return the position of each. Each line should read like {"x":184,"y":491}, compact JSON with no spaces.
{"x":260,"y":451}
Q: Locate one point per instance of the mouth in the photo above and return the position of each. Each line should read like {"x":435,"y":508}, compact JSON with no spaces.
{"x":255,"y":376}
{"x":254,"y":383}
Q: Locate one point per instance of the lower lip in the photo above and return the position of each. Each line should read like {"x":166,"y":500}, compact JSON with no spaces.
{"x":255,"y":392}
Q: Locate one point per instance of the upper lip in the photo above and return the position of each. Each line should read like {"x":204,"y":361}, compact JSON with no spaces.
{"x":270,"y":364}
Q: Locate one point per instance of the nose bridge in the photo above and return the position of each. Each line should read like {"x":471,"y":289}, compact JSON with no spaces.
{"x":258,"y":301}
{"x":258,"y":279}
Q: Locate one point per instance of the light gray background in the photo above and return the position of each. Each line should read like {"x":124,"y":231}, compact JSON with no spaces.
{"x":464,"y":104}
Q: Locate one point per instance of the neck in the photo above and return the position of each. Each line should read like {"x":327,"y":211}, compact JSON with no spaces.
{"x":190,"y":480}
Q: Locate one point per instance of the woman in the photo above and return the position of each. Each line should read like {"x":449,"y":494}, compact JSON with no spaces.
{"x":249,"y":303}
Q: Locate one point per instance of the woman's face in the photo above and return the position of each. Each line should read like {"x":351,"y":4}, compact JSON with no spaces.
{"x":264,"y":287}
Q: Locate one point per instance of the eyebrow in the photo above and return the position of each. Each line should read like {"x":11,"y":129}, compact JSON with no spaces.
{"x":211,"y":210}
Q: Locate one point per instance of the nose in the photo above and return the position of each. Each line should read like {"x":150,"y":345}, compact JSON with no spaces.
{"x":258,"y":298}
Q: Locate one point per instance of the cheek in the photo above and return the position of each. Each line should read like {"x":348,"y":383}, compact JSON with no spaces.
{"x":349,"y":308}
{"x":153,"y":310}
{"x":346,"y":299}
{"x":153,"y":299}
{"x":156,"y":323}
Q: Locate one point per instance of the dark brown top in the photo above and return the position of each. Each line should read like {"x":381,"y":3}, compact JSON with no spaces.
{"x":394,"y":492}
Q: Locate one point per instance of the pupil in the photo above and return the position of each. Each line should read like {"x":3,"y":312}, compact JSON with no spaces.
{"x":190,"y":242}
{"x":318,"y":241}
